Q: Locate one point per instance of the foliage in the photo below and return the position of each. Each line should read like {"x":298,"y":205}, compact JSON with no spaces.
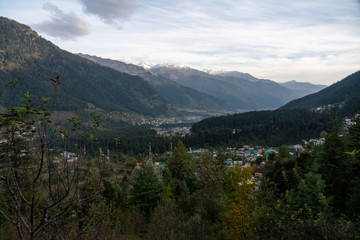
{"x":240,"y":190}
{"x":209,"y":193}
{"x":335,"y":168}
{"x":146,"y":192}
{"x":284,"y":152}
{"x":272,"y":128}
{"x":167,"y":222}
{"x":180,"y":164}
{"x":40,"y":189}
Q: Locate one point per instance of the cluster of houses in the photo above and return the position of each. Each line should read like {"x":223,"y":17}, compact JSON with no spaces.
{"x":68,"y":156}
{"x":328,"y":107}
{"x":247,"y":154}
{"x":181,"y":131}
{"x":348,"y":122}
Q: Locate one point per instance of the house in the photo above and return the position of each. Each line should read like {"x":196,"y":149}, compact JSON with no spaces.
{"x":229,"y":162}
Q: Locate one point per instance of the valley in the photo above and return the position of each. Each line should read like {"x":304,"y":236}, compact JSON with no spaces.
{"x":96,"y":148}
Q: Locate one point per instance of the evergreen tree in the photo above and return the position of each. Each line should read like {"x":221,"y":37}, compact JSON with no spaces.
{"x":181,"y":169}
{"x":209,"y":182}
{"x":335,"y":169}
{"x":146,"y":192}
{"x":180,"y":163}
{"x":284,"y":152}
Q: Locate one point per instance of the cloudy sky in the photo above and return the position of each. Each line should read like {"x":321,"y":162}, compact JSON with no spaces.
{"x":316,"y":41}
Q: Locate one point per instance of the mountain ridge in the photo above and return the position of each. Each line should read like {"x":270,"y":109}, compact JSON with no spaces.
{"x":180,"y":96}
{"x":341,"y":91}
{"x":242,"y":90}
{"x":303,"y":88}
{"x":25,"y":55}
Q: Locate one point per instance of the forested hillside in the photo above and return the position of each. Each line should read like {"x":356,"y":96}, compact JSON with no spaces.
{"x":271,"y":128}
{"x":33,"y":61}
{"x":341,"y":91}
{"x":309,"y":194}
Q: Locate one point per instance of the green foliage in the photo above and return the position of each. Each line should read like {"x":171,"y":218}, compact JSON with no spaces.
{"x":310,"y":193}
{"x":272,"y":128}
{"x":167,"y":222}
{"x":240,"y":192}
{"x":180,"y":163}
{"x":209,"y":183}
{"x":283,"y":173}
{"x":335,"y":168}
{"x":42,"y":188}
{"x":284,"y":152}
{"x":146,"y":192}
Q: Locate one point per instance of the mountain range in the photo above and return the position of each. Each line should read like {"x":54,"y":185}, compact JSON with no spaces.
{"x":243,"y":91}
{"x":33,"y":61}
{"x":191,"y":89}
{"x":302,"y":88}
{"x":110,"y":85}
{"x":182,"y":97}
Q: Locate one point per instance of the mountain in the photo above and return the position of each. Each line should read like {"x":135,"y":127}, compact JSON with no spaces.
{"x":242,"y":90}
{"x":182,"y":97}
{"x":302,"y":88}
{"x":288,"y":125}
{"x":33,"y":61}
{"x":206,"y":83}
{"x":235,"y":74}
{"x":343,"y":91}
{"x":269,"y":92}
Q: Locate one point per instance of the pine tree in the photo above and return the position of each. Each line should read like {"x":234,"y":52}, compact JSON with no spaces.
{"x":146,"y":192}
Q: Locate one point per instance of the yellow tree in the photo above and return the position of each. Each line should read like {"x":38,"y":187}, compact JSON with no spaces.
{"x":240,"y":188}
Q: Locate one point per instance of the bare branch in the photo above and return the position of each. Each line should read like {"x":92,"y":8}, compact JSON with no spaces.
{"x":7,"y":218}
{"x":95,"y":224}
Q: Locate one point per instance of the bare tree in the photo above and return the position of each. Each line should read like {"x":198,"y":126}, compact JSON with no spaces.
{"x":41,"y":190}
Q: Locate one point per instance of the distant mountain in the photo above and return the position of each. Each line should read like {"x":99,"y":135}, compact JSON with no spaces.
{"x":342,"y":91}
{"x":242,"y":90}
{"x":302,"y":88}
{"x":206,"y":83}
{"x":178,"y":95}
{"x":33,"y":60}
{"x":269,"y":92}
{"x":235,"y":74}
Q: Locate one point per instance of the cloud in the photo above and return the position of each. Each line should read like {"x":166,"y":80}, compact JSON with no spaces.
{"x":65,"y":26}
{"x":110,"y":11}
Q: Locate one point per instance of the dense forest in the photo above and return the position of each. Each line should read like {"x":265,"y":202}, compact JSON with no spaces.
{"x":264,"y":128}
{"x":49,"y":194}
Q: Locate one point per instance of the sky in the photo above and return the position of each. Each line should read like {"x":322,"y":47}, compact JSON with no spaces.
{"x":315,"y":41}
